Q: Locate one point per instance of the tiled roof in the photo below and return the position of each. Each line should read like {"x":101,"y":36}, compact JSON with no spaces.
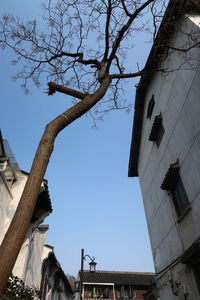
{"x":121,"y":278}
{"x":2,"y":152}
{"x":171,"y":177}
{"x":59,"y":271}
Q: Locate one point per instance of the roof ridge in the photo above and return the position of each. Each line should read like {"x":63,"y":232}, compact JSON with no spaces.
{"x":121,"y":272}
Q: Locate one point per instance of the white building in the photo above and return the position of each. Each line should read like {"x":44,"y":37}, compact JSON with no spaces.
{"x":165,"y":151}
{"x":54,"y":284}
{"x":33,"y":256}
{"x":12,"y":182}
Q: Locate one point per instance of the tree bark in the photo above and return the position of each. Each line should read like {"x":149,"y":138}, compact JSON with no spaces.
{"x":15,"y":235}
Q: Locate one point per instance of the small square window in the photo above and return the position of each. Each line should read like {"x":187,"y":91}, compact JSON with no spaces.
{"x":157,"y":130}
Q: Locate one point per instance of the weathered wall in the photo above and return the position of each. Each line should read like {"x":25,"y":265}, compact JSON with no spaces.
{"x":177,"y":99}
{"x":29,"y":261}
{"x":29,"y":258}
{"x":51,"y":267}
{"x":9,"y":199}
{"x":33,"y":253}
{"x":5,"y":199}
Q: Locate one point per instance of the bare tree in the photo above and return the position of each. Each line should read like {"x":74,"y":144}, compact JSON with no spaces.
{"x":82,"y":54}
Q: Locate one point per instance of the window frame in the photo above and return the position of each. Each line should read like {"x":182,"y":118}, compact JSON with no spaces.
{"x":160,"y":135}
{"x":191,"y":257}
{"x":150,"y":108}
{"x":179,"y":198}
{"x":173,"y":184}
{"x":196,"y":271}
{"x":157,"y":130}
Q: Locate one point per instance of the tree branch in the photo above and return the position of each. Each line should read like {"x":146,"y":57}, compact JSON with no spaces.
{"x":93,"y":62}
{"x":128,"y":75}
{"x":184,"y":49}
{"x":54,"y":87}
{"x":109,"y":9}
{"x":123,"y":30}
{"x":125,"y":8}
{"x":64,"y":54}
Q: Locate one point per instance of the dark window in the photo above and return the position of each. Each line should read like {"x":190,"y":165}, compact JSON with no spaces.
{"x":126,"y":292}
{"x":179,"y":197}
{"x":160,"y":135}
{"x":173,"y":184}
{"x":150,"y":107}
{"x":96,"y":292}
{"x":105,"y":292}
{"x":117,"y":291}
{"x":191,"y":258}
{"x":157,"y":130}
{"x":196,"y":269}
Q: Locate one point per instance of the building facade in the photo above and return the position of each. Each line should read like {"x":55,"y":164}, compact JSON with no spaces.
{"x":54,"y":283}
{"x":36,"y":264}
{"x":116,"y":285}
{"x":165,"y":151}
{"x":12,"y":182}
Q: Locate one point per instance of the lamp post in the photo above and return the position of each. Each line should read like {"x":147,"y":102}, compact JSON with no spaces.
{"x":92,"y":268}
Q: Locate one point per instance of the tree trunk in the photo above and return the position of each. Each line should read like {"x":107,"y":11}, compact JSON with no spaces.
{"x":15,"y":235}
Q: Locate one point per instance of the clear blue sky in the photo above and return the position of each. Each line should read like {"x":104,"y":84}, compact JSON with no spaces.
{"x":95,"y":205}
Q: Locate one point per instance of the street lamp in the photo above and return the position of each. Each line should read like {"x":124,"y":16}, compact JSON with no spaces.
{"x":92,"y":265}
{"x":92,"y":269}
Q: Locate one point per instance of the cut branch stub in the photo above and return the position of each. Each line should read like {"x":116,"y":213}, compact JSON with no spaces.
{"x":54,"y":87}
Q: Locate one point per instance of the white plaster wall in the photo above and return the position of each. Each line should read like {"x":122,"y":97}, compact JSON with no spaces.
{"x":183,"y":283}
{"x":177,"y":98}
{"x":180,"y":132}
{"x":8,"y":208}
{"x":46,"y":251}
{"x":9,"y":203}
{"x":28,"y":265}
{"x":195,"y":19}
{"x":29,"y":261}
{"x":34,"y":263}
{"x":20,"y":266}
{"x":167,"y":91}
{"x":5,"y":199}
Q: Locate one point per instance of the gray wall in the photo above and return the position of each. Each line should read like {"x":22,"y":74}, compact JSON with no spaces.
{"x":177,"y":97}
